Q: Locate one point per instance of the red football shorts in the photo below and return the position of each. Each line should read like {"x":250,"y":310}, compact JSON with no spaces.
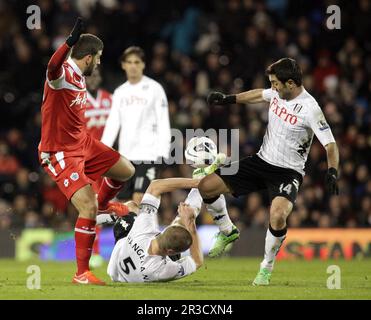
{"x":71,"y":172}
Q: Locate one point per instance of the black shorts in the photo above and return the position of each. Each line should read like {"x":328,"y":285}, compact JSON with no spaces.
{"x":254,"y":174}
{"x":144,"y":174}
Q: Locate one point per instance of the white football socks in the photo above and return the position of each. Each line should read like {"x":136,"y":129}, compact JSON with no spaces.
{"x":219,"y":212}
{"x":272,"y":246}
{"x":194,"y":200}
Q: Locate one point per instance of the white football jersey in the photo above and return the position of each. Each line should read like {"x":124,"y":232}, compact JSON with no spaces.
{"x":130,"y":261}
{"x":291,"y":127}
{"x":140,"y":112}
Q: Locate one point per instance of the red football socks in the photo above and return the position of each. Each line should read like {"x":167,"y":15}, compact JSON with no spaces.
{"x":84,"y":239}
{"x":108,"y":190}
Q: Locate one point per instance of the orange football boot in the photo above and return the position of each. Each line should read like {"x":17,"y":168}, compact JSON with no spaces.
{"x":117,"y":208}
{"x":87,"y":278}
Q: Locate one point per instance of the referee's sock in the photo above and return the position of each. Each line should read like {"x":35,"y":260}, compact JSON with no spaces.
{"x":219,"y":212}
{"x":108,"y":190}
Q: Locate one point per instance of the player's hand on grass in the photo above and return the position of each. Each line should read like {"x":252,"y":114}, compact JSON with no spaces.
{"x":331,"y":181}
{"x":75,"y":33}
{"x":220,"y":98}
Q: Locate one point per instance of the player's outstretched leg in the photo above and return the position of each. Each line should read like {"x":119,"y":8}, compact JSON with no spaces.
{"x":211,"y":188}
{"x":276,"y":234}
{"x":111,"y":185}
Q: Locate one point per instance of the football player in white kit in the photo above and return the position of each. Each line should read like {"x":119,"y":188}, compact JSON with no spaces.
{"x":294,"y":118}
{"x":140,"y":118}
{"x":144,"y":254}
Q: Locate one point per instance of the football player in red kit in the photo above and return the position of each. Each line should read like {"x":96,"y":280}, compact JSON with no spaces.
{"x":70,"y":156}
{"x":98,"y":106}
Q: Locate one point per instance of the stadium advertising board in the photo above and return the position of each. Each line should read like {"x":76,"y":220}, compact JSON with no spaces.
{"x":300,"y":244}
{"x":326,"y":244}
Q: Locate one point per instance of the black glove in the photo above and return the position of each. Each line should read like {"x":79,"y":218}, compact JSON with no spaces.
{"x":220,"y":98}
{"x":75,"y":33}
{"x":331,"y":181}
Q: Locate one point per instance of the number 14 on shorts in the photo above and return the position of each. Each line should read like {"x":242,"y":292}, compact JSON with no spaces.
{"x":288,"y":187}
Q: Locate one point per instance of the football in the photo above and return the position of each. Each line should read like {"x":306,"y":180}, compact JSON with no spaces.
{"x":200,"y":152}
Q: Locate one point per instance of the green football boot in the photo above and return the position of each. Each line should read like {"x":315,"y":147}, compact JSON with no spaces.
{"x":222,"y":241}
{"x":262,"y":278}
{"x":199,"y":173}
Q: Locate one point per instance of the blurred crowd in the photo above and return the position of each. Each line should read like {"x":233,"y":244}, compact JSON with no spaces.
{"x":193,"y":47}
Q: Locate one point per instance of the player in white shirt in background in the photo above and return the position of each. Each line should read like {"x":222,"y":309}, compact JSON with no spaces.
{"x":140,"y":112}
{"x":294,"y":118}
{"x":142,"y":253}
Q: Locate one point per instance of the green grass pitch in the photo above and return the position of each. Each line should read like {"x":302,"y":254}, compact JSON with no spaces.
{"x":225,"y":278}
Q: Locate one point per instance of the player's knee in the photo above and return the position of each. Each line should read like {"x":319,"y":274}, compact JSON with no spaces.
{"x":88,"y":208}
{"x":130,"y":169}
{"x":126,"y":170}
{"x":278,"y":217}
{"x":206,"y":189}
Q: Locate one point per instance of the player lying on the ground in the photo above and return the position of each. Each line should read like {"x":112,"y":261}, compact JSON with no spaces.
{"x":228,"y":232}
{"x":142,"y":253}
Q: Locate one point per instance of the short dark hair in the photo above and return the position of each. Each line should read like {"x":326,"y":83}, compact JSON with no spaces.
{"x":133,"y":50}
{"x":175,"y":238}
{"x":87,"y":44}
{"x":285,"y":69}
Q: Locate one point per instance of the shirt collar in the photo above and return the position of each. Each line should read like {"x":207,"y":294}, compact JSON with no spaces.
{"x":74,"y":66}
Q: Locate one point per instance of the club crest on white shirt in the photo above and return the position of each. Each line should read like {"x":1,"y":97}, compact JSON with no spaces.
{"x":297,"y":108}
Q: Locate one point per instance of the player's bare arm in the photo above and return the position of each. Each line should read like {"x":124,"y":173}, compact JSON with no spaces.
{"x":160,"y":186}
{"x":188,"y":218}
{"x":332,"y":155}
{"x":332,"y":152}
{"x":250,"y":96}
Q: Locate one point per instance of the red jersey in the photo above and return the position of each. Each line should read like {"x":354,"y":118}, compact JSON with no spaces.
{"x":97,"y":111}
{"x":63,"y":111}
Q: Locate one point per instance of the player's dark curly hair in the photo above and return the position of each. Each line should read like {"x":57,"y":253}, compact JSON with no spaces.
{"x":286,"y":69}
{"x":87,"y":44}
